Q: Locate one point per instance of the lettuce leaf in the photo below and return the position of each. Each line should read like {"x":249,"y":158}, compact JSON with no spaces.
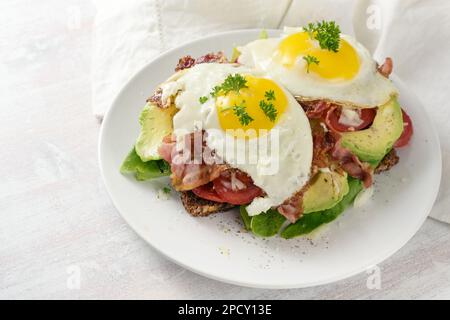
{"x":245,"y":218}
{"x":144,"y":170}
{"x":265,"y":224}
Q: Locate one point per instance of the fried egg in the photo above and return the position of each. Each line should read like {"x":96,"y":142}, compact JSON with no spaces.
{"x":348,"y":77}
{"x":274,"y":148}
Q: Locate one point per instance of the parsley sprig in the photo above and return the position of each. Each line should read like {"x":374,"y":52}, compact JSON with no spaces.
{"x":232,"y":83}
{"x":269,"y":110}
{"x":241,"y":112}
{"x":310,"y":59}
{"x":268,"y":107}
{"x":203,"y":99}
{"x":270,"y":95}
{"x":327,"y":33}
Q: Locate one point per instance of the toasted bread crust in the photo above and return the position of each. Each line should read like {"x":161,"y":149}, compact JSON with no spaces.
{"x":389,"y":160}
{"x":199,"y":207}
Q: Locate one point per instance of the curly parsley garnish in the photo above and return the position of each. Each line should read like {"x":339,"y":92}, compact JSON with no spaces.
{"x":269,"y":110}
{"x":232,"y":83}
{"x":215,"y":91}
{"x":327,"y":33}
{"x":267,"y":107}
{"x":270,"y":95}
{"x":203,"y":99}
{"x":310,"y":59}
{"x":241,"y":112}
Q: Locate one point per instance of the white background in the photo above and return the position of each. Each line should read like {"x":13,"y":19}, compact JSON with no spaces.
{"x":56,"y":218}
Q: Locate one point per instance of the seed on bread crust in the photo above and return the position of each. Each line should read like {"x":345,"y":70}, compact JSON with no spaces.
{"x":389,"y":160}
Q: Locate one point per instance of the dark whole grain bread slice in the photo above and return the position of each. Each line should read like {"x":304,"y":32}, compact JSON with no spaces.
{"x":389,"y":160}
{"x":199,"y":207}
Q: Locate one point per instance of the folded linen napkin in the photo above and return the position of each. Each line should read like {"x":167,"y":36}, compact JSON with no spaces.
{"x":127,"y":35}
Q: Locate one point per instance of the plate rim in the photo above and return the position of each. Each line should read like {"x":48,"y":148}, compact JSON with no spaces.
{"x":252,"y":284}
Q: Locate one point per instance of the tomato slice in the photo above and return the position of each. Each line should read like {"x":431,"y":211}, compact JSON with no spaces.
{"x":244,"y":192}
{"x":333,"y":115}
{"x":207,"y":192}
{"x":407,"y":131}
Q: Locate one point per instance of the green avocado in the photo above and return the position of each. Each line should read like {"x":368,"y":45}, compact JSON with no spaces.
{"x":326,"y":190}
{"x":372,"y":144}
{"x":156,"y":123}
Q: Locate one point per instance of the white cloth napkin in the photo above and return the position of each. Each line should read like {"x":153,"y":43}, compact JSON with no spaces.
{"x":129,"y":34}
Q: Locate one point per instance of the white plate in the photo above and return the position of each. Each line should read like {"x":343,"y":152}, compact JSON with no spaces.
{"x":219,"y":248}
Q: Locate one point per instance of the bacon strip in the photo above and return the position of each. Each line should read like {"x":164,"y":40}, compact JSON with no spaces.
{"x":352,"y":165}
{"x":386,"y":68}
{"x":212,"y":57}
{"x":156,"y":98}
{"x":190,"y":167}
{"x":315,"y":109}
{"x":323,"y":143}
{"x":188,"y":62}
{"x":185,"y":63}
{"x":292,"y":208}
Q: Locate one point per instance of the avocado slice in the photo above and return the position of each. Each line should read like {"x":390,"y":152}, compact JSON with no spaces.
{"x":372,"y":144}
{"x":326,"y":190}
{"x":156,"y":123}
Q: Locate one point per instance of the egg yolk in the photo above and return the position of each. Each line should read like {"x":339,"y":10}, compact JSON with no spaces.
{"x":236,"y":108}
{"x":341,"y":65}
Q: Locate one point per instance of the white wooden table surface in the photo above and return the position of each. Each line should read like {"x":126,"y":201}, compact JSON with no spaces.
{"x":57,"y":221}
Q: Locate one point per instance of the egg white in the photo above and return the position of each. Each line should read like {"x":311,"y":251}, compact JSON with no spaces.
{"x":367,"y":89}
{"x":293,"y":158}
